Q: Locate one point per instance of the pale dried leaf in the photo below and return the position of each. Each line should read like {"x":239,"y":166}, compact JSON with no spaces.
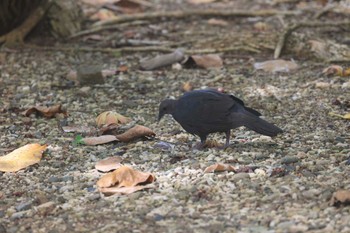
{"x":276,"y":66}
{"x":320,"y":48}
{"x":103,"y":14}
{"x":218,"y":22}
{"x":197,"y":2}
{"x":219,"y":167}
{"x":125,"y":176}
{"x":111,"y":117}
{"x":212,"y":144}
{"x":340,"y":197}
{"x":187,"y":86}
{"x":92,"y":141}
{"x":108,"y":164}
{"x":345,"y":116}
{"x":135,"y":132}
{"x":124,"y":190}
{"x":45,"y":111}
{"x":72,"y":75}
{"x":208,"y":61}
{"x":22,"y":157}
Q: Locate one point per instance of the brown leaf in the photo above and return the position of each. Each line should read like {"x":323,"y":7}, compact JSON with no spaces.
{"x":336,"y":70}
{"x":103,"y":14}
{"x":212,"y":144}
{"x":124,"y":176}
{"x":218,"y":22}
{"x":135,"y":132}
{"x":123,"y":69}
{"x":92,"y":141}
{"x":22,"y":157}
{"x":197,"y":2}
{"x":219,"y":167}
{"x":276,"y":66}
{"x":129,"y":6}
{"x":207,"y":61}
{"x":111,"y":117}
{"x":187,"y":86}
{"x":340,"y":197}
{"x":45,"y":111}
{"x":108,"y":164}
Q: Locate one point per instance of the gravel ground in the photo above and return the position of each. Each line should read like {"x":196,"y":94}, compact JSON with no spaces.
{"x":287,"y":189}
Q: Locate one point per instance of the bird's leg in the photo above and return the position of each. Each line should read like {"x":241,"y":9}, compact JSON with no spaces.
{"x":228,"y":133}
{"x":200,"y":145}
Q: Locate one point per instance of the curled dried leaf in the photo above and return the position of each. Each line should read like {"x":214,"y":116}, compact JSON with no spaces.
{"x":135,"y":132}
{"x":187,"y":86}
{"x":108,"y":164}
{"x":340,"y":197}
{"x":276,"y":66}
{"x":219,"y":167}
{"x":22,"y":157}
{"x":45,"y":111}
{"x":124,"y":177}
{"x":92,"y":141}
{"x":111,"y":117}
{"x":336,"y":70}
{"x":205,"y":61}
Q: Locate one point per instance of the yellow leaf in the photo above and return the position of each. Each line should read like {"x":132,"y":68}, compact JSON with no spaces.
{"x":22,"y":157}
{"x":346,"y":116}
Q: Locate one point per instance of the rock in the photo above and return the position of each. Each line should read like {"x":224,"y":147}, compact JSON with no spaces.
{"x":46,"y":208}
{"x":289,"y":159}
{"x":24,"y":206}
{"x":240,"y":176}
{"x":18,"y":215}
{"x":90,"y":75}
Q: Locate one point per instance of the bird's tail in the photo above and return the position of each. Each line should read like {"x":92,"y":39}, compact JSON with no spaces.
{"x":261,"y":126}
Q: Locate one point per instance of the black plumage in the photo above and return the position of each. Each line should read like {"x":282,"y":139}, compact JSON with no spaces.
{"x":202,"y":112}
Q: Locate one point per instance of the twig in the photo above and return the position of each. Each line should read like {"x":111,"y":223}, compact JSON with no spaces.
{"x":184,"y":14}
{"x":108,"y":27}
{"x":143,"y":49}
{"x":284,"y":36}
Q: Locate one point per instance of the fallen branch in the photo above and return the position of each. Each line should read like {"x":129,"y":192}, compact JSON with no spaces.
{"x":144,"y":49}
{"x":284,"y":36}
{"x":189,"y":13}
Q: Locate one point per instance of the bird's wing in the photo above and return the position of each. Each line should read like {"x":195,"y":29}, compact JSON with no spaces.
{"x":206,"y":108}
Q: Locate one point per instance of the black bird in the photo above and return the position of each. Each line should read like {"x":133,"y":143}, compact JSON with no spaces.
{"x":202,"y":112}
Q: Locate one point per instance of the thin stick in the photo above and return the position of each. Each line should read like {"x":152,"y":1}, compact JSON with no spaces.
{"x":144,"y":49}
{"x":184,"y":14}
{"x":284,"y":36}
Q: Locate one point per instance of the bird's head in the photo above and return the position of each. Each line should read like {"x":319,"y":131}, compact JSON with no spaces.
{"x":166,"y":107}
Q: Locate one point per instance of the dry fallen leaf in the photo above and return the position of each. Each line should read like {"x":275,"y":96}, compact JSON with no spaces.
{"x":92,"y":141}
{"x":135,"y":132}
{"x":336,"y":70}
{"x":22,"y":157}
{"x":187,"y":86}
{"x":108,"y":164}
{"x":196,"y":2}
{"x":340,"y":197}
{"x":218,"y":22}
{"x":103,"y":14}
{"x":111,"y":117}
{"x":276,"y":66}
{"x":124,"y":190}
{"x":123,"y":178}
{"x":219,"y":167}
{"x":129,"y":6}
{"x":345,"y":116}
{"x":212,"y":144}
{"x":45,"y":111}
{"x":207,"y":61}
